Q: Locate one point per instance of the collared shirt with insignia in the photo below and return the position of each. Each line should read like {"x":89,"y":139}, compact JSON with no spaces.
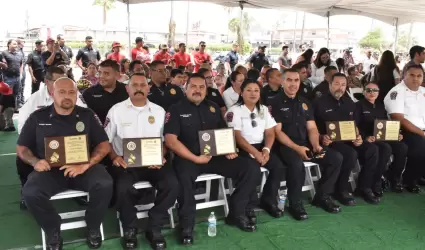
{"x":268,"y":94}
{"x":101,"y":101}
{"x":293,"y":114}
{"x":185,"y":119}
{"x":165,"y":95}
{"x":46,"y":122}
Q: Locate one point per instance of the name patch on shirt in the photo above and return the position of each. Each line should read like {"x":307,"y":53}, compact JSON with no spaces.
{"x":44,"y":124}
{"x":97,"y":96}
{"x":329,"y":110}
{"x":186,"y":115}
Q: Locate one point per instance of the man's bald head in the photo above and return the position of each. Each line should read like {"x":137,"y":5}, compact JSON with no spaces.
{"x":65,"y":93}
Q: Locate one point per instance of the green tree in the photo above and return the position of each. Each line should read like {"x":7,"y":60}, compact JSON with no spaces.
{"x":373,"y":40}
{"x":235,"y":27}
{"x":106,"y":5}
{"x":403,"y":42}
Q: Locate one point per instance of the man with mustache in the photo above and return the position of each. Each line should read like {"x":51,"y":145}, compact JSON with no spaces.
{"x":298,"y":138}
{"x":161,"y":92}
{"x":182,"y":123}
{"x":336,"y":106}
{"x":64,"y":118}
{"x":137,"y":117}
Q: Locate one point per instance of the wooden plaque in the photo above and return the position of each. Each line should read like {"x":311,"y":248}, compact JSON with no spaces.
{"x":385,"y":130}
{"x":341,"y":130}
{"x":217,"y":141}
{"x":143,"y":152}
{"x":65,"y":150}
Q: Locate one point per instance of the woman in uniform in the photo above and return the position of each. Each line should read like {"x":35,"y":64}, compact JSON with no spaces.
{"x":254,"y":133}
{"x":367,"y":111}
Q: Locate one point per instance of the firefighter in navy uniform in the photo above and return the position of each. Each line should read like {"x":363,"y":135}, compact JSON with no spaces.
{"x":161,"y":93}
{"x":367,"y":111}
{"x":335,"y":106}
{"x":101,"y":97}
{"x":298,"y":138}
{"x":64,"y":118}
{"x":213,"y":94}
{"x":142,"y":119}
{"x":323,"y":87}
{"x":182,"y":123}
{"x":273,"y":88}
{"x":405,"y":103}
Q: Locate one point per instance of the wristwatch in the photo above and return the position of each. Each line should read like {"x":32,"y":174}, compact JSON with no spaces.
{"x":267,"y":149}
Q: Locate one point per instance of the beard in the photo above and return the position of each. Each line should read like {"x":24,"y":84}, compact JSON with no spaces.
{"x":67,"y":104}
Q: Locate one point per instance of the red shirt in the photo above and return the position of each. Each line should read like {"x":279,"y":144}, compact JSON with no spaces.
{"x":200,"y":58}
{"x":164,"y":57}
{"x":181,"y":59}
{"x":116,"y":57}
{"x":140,"y":54}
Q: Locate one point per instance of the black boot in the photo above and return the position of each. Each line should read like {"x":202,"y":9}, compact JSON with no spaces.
{"x":156,"y":239}
{"x":326,"y":203}
{"x":54,"y":241}
{"x":186,"y":236}
{"x":250,"y":213}
{"x":242,"y":222}
{"x":296,"y":209}
{"x":129,"y":240}
{"x":94,"y":238}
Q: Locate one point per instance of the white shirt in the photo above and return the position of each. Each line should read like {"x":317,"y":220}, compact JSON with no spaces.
{"x":318,"y":74}
{"x":38,"y":100}
{"x":239,"y":118}
{"x":402,"y":100}
{"x":230,"y":97}
{"x":124,"y":120}
{"x":367,"y":62}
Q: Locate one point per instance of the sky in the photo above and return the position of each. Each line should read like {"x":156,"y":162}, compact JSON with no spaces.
{"x":156,"y":16}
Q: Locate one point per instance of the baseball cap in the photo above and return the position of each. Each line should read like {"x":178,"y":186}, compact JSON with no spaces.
{"x":139,"y":39}
{"x":5,"y":89}
{"x":50,"y":40}
{"x":262,"y":47}
{"x":164,"y":46}
{"x":116,"y":44}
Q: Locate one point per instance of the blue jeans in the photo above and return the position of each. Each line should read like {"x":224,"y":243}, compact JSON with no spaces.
{"x":14,"y":82}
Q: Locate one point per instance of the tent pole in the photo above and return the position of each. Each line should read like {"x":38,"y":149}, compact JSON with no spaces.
{"x":241,"y":29}
{"x":295,"y":33}
{"x":396,"y":35}
{"x":187,"y":23}
{"x":409,"y":43}
{"x":129,"y":30}
{"x":328,"y":36}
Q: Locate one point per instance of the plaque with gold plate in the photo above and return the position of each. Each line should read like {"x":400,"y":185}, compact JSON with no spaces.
{"x":341,"y":130}
{"x":143,"y":152}
{"x":66,"y":150}
{"x":385,"y":130}
{"x":217,"y":141}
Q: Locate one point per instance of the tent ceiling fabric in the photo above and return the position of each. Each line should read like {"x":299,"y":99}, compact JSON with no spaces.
{"x":385,"y":10}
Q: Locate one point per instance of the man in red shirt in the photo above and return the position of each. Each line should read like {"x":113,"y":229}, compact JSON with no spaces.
{"x":201,"y":56}
{"x":163,"y":55}
{"x":115,"y":55}
{"x":181,"y":58}
{"x":139,"y":53}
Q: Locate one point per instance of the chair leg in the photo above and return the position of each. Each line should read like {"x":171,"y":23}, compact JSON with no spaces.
{"x":230,"y":185}
{"x":263,"y":182}
{"x":208,"y":191}
{"x":170,"y":212}
{"x":309,"y":180}
{"x":101,"y":232}
{"x":120,"y":224}
{"x":352,"y":181}
{"x":43,"y":238}
{"x":223,"y":189}
{"x":318,"y":173}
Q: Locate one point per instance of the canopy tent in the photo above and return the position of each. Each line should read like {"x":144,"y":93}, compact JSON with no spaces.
{"x":394,"y":12}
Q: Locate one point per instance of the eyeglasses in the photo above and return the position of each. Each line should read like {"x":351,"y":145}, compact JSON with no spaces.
{"x":253,"y":122}
{"x":203,"y":45}
{"x":372,"y":90}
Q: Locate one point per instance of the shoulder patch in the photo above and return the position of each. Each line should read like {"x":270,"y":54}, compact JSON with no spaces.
{"x":393,"y":95}
{"x":229,"y":117}
{"x":212,"y":109}
{"x":167,"y":117}
{"x":107,"y":121}
{"x":305,"y":107}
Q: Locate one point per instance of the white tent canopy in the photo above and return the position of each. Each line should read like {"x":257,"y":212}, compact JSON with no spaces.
{"x":384,"y":10}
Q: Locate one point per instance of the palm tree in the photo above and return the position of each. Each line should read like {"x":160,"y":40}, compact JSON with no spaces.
{"x":106,"y":5}
{"x":234,"y":26}
{"x":228,"y":10}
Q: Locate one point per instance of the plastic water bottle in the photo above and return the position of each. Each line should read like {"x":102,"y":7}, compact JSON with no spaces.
{"x":282,"y":199}
{"x":212,"y":225}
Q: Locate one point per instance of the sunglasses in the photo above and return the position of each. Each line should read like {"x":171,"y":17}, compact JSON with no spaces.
{"x":253,"y":122}
{"x":372,"y":90}
{"x":203,"y":45}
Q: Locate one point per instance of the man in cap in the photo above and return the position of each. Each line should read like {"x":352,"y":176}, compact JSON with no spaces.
{"x":115,"y":55}
{"x":54,"y":56}
{"x":36,"y":66}
{"x":139,"y":53}
{"x":163,"y":54}
{"x":232,"y":58}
